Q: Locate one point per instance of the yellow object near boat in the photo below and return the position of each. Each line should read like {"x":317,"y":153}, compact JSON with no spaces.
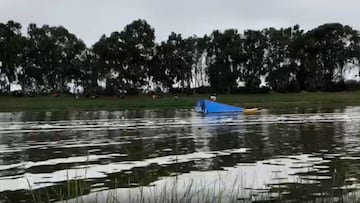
{"x":250,"y":111}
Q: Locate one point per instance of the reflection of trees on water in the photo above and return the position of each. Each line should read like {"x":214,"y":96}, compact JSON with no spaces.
{"x":320,"y":140}
{"x":272,"y":140}
{"x":158,"y":143}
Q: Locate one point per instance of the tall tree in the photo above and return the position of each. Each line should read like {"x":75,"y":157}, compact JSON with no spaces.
{"x":173,"y":61}
{"x":225,"y":51}
{"x":109,"y":58}
{"x":57,"y":54}
{"x":28,"y":76}
{"x":161,"y":69}
{"x":90,"y":74}
{"x":253,"y":66}
{"x":139,"y":47}
{"x":281,"y":59}
{"x":10,"y":50}
{"x":327,"y":49}
{"x":102,"y":58}
{"x":199,"y":56}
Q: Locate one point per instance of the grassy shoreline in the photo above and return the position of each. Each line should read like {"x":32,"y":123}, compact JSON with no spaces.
{"x":269,"y":101}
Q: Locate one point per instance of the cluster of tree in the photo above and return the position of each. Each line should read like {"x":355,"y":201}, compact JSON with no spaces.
{"x":288,"y":59}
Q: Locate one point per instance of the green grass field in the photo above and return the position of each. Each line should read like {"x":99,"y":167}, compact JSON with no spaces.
{"x":270,"y":101}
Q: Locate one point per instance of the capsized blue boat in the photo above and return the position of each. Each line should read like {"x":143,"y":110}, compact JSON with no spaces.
{"x":206,"y":106}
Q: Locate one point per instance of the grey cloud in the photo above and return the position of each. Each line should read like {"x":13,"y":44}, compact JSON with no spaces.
{"x":89,"y":19}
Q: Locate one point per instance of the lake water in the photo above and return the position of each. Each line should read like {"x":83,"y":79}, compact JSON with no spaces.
{"x":292,"y":154}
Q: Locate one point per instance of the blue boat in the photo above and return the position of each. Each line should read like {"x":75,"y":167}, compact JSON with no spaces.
{"x":206,"y":106}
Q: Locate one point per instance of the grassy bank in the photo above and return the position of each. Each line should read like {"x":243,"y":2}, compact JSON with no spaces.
{"x":272,"y":100}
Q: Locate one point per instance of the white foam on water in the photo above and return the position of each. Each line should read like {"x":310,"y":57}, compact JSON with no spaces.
{"x":91,"y":171}
{"x":78,"y":159}
{"x":151,"y":123}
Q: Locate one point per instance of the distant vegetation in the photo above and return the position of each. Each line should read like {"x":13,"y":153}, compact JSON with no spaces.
{"x":288,"y":59}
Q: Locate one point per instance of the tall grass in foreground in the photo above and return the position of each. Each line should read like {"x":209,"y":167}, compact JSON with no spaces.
{"x":71,"y":189}
{"x":169,"y":191}
{"x":77,"y":191}
{"x":179,"y":189}
{"x":142,"y":194}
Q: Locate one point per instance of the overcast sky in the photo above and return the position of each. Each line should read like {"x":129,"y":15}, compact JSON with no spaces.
{"x":89,"y":19}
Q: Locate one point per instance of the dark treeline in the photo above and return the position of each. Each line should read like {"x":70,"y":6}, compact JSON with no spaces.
{"x":47,"y":58}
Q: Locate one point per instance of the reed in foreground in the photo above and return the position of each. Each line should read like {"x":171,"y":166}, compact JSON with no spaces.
{"x":171,"y":190}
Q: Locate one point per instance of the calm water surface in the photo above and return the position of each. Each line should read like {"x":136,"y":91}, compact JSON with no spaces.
{"x":294,"y":153}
